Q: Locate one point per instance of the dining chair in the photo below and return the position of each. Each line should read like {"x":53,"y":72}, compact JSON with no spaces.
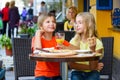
{"x":23,"y":67}
{"x":106,"y":72}
{"x":59,"y":26}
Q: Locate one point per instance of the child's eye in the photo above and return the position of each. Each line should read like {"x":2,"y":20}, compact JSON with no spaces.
{"x":79,"y":22}
{"x":48,"y":21}
{"x":53,"y":21}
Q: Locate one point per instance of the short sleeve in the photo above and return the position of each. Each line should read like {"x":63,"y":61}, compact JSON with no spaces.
{"x":66,"y":43}
{"x":65,"y":25}
{"x":99,"y":44}
{"x":74,"y":42}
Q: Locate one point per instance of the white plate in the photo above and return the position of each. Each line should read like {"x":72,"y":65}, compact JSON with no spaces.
{"x":83,"y":51}
{"x":52,"y":48}
{"x":85,"y":55}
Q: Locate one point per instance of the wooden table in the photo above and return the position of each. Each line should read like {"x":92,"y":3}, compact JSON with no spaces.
{"x":64,"y":60}
{"x":72,"y":58}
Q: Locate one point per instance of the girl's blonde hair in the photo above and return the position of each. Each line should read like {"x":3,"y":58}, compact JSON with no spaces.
{"x":74,"y":9}
{"x":42,"y":17}
{"x":89,"y":20}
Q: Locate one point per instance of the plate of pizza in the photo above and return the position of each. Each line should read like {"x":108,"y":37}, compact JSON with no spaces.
{"x":58,"y":53}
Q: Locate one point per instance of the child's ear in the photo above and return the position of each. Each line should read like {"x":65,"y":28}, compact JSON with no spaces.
{"x":41,"y":28}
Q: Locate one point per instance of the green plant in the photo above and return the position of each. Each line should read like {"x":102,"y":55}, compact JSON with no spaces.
{"x":27,"y":27}
{"x":30,"y":31}
{"x":5,"y":41}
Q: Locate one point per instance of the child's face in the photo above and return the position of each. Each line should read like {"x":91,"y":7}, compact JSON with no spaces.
{"x":81,"y":26}
{"x":49,"y":24}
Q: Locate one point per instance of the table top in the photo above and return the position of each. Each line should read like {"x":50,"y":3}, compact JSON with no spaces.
{"x":71,"y":58}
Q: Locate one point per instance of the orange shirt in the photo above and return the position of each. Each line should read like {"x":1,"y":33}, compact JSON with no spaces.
{"x":48,"y":69}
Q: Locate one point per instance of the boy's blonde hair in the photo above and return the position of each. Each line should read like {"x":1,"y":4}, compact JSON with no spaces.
{"x":74,"y":9}
{"x":89,"y":20}
{"x":42,"y":17}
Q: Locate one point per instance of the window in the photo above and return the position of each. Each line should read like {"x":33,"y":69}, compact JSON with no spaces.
{"x":104,"y":4}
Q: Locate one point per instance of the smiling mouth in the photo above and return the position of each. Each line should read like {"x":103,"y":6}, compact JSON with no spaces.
{"x":51,"y":27}
{"x":78,"y":28}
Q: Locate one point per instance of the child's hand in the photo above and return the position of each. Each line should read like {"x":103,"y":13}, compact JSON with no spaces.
{"x":39,"y":33}
{"x":92,"y":43}
{"x":37,"y":41}
{"x":95,"y":65}
{"x":61,"y":46}
{"x":100,"y":66}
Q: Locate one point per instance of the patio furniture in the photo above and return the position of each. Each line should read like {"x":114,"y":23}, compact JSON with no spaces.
{"x":106,"y":72}
{"x":69,"y":35}
{"x":1,"y":63}
{"x":64,"y":59}
{"x":23,"y":67}
{"x":59,"y":26}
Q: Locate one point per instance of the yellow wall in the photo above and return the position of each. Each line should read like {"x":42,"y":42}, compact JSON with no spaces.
{"x":80,"y":5}
{"x":103,"y":21}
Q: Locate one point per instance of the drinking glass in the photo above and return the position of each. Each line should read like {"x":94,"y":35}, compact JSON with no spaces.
{"x":60,"y":37}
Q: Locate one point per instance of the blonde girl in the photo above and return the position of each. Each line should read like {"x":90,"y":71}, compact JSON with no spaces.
{"x":86,"y":38}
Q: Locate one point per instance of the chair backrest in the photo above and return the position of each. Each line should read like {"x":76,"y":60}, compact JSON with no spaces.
{"x":59,"y":26}
{"x":1,"y":63}
{"x":21,"y":50}
{"x":69,"y":35}
{"x":108,"y":57}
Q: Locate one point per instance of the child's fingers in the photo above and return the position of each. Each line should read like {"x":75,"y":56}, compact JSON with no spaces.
{"x":100,"y":66}
{"x":39,"y":32}
{"x":92,"y":41}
